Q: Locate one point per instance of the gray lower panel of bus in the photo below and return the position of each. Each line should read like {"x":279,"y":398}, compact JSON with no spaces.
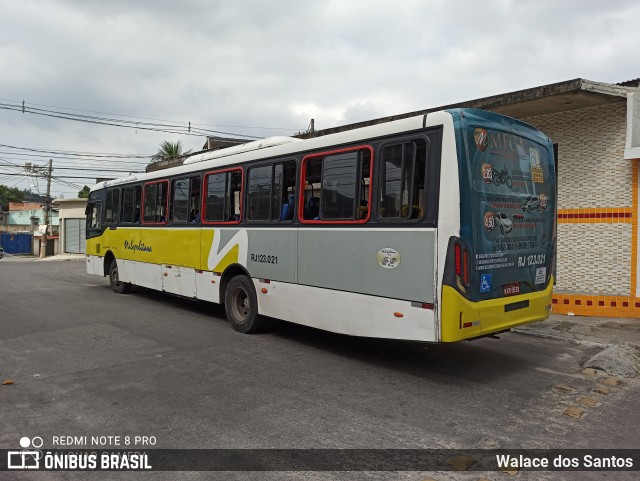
{"x":348,"y":260}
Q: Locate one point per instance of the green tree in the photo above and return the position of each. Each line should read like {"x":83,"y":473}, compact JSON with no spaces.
{"x":9,"y":194}
{"x":84,"y":193}
{"x":169,"y":150}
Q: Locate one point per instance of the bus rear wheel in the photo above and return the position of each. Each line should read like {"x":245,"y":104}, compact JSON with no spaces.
{"x":241,"y":305}
{"x":114,"y":279}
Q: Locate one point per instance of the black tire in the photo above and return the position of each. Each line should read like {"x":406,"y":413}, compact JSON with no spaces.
{"x":241,"y":305}
{"x":502,"y":230}
{"x":509,"y":182}
{"x":116,"y":285}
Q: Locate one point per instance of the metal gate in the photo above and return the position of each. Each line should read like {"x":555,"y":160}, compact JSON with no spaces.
{"x":74,"y":236}
{"x":16,"y":243}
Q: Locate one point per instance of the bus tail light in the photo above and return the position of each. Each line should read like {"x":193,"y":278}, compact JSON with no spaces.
{"x":462,"y":263}
{"x":465,"y":268}
{"x":458,"y":266}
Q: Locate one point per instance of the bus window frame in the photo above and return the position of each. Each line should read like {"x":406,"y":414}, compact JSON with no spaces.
{"x":96,"y":203}
{"x":204,"y":194}
{"x":427,"y":181}
{"x":302,"y":185}
{"x":122,"y":216}
{"x":273,"y":163}
{"x":115,"y":213}
{"x":190,"y":178}
{"x":142,"y":203}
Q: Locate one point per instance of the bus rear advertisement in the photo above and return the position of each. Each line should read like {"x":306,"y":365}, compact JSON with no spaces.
{"x":508,"y":216}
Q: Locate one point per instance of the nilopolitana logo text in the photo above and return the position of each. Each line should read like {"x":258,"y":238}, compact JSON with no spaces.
{"x":140,"y":246}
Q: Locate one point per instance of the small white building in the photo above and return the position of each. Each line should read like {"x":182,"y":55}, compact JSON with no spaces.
{"x":72,"y":225}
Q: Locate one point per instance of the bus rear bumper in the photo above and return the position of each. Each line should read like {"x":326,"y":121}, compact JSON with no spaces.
{"x":464,"y":319}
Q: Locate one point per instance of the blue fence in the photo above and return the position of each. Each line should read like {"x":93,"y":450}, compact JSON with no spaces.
{"x":16,"y":243}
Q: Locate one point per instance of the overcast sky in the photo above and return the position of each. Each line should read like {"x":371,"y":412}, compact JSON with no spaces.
{"x":266,"y":68}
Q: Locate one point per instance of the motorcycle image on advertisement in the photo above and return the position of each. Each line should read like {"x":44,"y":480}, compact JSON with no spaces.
{"x":502,"y":177}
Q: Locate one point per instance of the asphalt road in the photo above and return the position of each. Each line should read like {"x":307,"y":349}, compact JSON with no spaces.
{"x":85,"y":361}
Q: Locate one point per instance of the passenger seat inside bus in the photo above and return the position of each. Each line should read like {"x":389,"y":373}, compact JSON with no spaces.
{"x":312,"y":210}
{"x":287,"y":209}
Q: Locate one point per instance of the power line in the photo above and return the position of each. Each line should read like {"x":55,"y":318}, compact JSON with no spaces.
{"x":57,"y":177}
{"x":87,"y":159}
{"x":172,"y":128}
{"x":80,"y":153}
{"x":84,"y":163}
{"x":102,"y":170}
{"x":94,"y":169}
{"x":151,"y":118}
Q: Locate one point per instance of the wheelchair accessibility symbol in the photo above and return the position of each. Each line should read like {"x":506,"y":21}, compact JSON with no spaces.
{"x":485,"y":283}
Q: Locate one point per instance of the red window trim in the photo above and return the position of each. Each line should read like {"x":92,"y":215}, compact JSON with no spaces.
{"x":203,"y":212}
{"x":303,"y":175}
{"x":142,"y":208}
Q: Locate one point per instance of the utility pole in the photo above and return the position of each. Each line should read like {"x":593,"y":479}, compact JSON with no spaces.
{"x":47,"y":172}
{"x":47,"y":203}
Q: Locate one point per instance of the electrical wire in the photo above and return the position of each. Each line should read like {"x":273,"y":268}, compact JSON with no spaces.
{"x":96,"y":169}
{"x":57,"y":177}
{"x":19,"y":104}
{"x":172,"y":128}
{"x":80,"y":153}
{"x":39,"y":157}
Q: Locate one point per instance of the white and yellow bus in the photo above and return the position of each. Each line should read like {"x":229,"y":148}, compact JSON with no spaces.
{"x":437,"y":228}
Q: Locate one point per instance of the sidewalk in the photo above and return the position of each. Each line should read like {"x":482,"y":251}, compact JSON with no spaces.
{"x":604,"y":331}
{"x":618,"y":338}
{"x":30,"y":257}
{"x":64,"y":257}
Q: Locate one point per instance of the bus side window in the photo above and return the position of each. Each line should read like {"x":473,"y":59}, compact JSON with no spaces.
{"x":138,"y":204}
{"x":127,"y":205}
{"x":223,"y":196}
{"x":93,"y":212}
{"x":270,"y":195}
{"x":130,"y":205}
{"x":112,"y":206}
{"x":180,"y":201}
{"x":194,"y":211}
{"x":402,"y":180}
{"x":284,"y":188}
{"x":337,"y":186}
{"x":155,"y":202}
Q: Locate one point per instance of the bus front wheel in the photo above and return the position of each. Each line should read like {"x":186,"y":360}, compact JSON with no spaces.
{"x":241,"y":305}
{"x":114,"y":279}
